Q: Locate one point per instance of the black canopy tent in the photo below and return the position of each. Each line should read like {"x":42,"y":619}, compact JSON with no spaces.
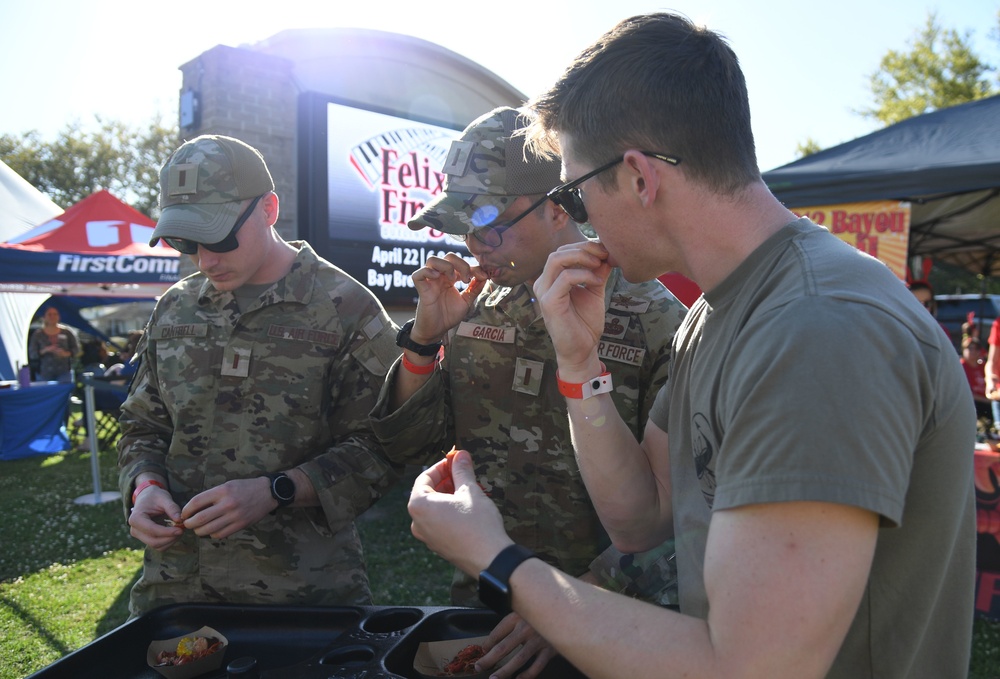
{"x":946,"y":164}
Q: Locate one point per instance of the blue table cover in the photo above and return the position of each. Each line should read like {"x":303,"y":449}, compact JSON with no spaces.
{"x":33,"y":420}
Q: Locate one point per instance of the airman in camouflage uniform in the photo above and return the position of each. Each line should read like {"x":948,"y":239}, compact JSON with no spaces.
{"x":242,"y":378}
{"x":495,"y":391}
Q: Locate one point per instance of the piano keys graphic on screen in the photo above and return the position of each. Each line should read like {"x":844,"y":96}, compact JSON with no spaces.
{"x":403,"y":156}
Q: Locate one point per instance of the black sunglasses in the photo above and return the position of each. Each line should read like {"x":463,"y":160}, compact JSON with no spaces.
{"x":568,"y":197}
{"x":493,"y":235}
{"x":228,"y":244}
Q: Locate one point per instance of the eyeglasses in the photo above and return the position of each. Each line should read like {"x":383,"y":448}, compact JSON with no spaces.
{"x":228,"y":244}
{"x":493,"y":235}
{"x":568,"y":196}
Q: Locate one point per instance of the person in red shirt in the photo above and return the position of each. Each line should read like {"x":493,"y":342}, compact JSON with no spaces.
{"x":975,"y":372}
{"x":993,"y":370}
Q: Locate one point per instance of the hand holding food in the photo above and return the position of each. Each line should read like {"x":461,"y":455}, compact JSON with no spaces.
{"x":464,"y":661}
{"x":447,"y":484}
{"x":441,"y":305}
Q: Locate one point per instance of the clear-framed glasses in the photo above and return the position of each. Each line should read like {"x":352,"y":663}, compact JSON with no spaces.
{"x":227,"y":244}
{"x":493,"y":235}
{"x":568,"y":196}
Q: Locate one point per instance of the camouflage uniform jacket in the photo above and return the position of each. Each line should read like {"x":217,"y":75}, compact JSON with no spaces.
{"x":221,"y":394}
{"x":496,"y":396}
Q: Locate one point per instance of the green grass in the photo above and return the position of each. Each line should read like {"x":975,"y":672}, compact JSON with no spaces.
{"x":66,"y":568}
{"x":45,"y":615}
{"x":401,"y":570}
{"x":985,"y":663}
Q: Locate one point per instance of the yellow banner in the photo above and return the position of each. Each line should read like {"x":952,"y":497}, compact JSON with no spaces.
{"x":879,"y":227}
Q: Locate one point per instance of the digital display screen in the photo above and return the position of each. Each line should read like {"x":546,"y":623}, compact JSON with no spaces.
{"x":363,"y":175}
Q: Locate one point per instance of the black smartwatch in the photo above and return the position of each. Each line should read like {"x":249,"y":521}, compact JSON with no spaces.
{"x":403,"y":341}
{"x":494,"y":582}
{"x":282,"y":489}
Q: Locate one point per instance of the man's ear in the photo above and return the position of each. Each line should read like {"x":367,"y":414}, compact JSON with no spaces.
{"x":556,"y":216}
{"x":643,"y":176}
{"x":270,"y":207}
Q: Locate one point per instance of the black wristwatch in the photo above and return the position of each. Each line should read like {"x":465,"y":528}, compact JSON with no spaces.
{"x":494,"y":582}
{"x":282,"y":489}
{"x":403,"y":340}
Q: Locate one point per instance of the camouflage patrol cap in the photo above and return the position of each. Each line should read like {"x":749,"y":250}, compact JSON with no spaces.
{"x":486,"y":171}
{"x":203,"y":184}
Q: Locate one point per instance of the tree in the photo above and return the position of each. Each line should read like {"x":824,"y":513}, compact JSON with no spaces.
{"x":938,"y":71}
{"x":124,"y":160}
{"x":807,"y":148}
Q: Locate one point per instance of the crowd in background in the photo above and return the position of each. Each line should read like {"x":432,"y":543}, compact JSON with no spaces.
{"x":978,"y":360}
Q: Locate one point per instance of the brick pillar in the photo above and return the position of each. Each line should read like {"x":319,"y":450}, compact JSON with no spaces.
{"x":253,"y":97}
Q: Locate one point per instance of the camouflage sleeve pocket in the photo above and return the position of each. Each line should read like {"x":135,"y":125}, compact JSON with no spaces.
{"x":379,"y":352}
{"x":650,"y":576}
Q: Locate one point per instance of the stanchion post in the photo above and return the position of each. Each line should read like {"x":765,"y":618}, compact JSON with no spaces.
{"x":97,"y":497}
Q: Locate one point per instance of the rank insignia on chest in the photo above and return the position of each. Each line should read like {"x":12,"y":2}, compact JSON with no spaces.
{"x":236,"y":362}
{"x":528,"y":376}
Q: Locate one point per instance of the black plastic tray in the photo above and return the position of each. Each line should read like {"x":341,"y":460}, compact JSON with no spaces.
{"x":289,"y":643}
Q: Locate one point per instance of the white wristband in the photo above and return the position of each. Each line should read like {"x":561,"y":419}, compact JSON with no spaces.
{"x":598,"y":385}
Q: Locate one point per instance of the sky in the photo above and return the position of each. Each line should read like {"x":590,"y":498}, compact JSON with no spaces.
{"x":806,"y":63}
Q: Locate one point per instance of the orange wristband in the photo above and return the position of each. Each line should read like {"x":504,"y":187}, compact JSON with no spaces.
{"x":420,"y":369}
{"x":144,"y":485}
{"x":598,"y":385}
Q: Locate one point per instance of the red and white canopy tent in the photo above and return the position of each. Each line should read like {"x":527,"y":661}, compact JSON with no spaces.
{"x":97,"y":248}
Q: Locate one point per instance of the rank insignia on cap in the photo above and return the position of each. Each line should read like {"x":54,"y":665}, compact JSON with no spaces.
{"x":458,"y":158}
{"x":183,"y":179}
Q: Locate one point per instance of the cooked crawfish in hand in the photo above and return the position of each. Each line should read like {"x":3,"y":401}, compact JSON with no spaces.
{"x":447,"y":485}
